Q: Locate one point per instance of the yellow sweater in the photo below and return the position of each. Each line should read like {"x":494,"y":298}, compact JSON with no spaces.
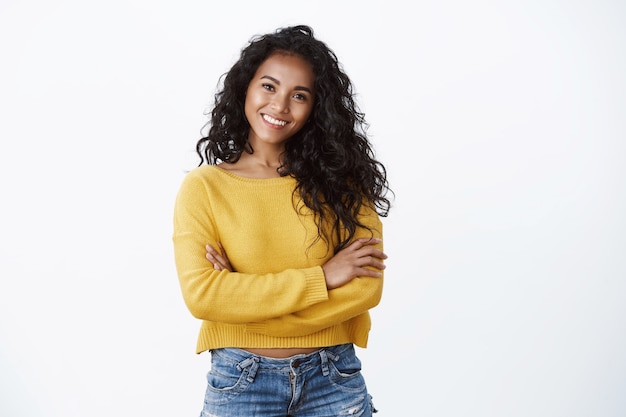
{"x":277,"y":297}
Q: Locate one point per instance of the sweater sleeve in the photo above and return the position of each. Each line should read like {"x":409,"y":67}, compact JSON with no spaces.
{"x":231,"y":297}
{"x":343,"y":303}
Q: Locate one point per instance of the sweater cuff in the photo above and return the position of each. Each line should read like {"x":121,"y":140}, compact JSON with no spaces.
{"x":316,"y":290}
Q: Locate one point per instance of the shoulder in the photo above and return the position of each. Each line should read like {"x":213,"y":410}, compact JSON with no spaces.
{"x":203,"y":171}
{"x":199,"y":180}
{"x":204,"y":174}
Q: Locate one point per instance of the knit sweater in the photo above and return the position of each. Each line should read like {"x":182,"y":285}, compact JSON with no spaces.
{"x":276,"y":297}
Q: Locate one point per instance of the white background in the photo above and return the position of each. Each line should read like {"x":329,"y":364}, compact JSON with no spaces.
{"x":502,"y":125}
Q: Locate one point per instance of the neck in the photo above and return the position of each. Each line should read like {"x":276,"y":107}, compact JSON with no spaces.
{"x":265,"y":155}
{"x":262,"y":159}
{"x":257,"y":165}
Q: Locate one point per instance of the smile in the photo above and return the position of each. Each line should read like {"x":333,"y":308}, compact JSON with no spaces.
{"x":273,"y":121}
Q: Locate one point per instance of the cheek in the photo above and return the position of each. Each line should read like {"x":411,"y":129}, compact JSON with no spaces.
{"x":250,"y":105}
{"x":305,"y":114}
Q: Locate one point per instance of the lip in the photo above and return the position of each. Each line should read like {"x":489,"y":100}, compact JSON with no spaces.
{"x":273,"y":125}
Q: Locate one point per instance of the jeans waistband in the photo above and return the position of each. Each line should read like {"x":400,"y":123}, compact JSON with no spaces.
{"x":242,"y":358}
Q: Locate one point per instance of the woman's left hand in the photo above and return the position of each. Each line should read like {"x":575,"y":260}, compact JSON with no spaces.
{"x":219,"y":259}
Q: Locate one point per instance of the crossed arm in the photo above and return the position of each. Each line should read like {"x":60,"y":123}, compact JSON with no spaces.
{"x":353,"y":261}
{"x":353,"y":280}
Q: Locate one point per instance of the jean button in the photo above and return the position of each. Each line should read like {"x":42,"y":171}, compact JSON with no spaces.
{"x":296,"y":363}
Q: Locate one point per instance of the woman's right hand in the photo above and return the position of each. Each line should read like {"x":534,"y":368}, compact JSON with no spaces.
{"x":353,"y":261}
{"x":219,"y":259}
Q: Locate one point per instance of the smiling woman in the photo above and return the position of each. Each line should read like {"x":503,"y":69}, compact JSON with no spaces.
{"x":277,"y":236}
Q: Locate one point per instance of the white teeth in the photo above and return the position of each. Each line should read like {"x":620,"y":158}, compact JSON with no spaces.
{"x":273,"y":121}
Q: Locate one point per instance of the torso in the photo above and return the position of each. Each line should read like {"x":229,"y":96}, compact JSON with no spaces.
{"x":281,"y":353}
{"x":245,"y":169}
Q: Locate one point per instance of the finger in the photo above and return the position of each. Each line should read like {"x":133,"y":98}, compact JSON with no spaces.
{"x":372,"y":262}
{"x":369,"y":256}
{"x":371,"y":251}
{"x":216,"y":264}
{"x":365,"y":242}
{"x":364,"y":272}
{"x":220,"y":259}
{"x":224,"y":256}
{"x":214,"y":258}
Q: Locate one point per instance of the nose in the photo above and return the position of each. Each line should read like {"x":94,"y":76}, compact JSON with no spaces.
{"x":280,"y":103}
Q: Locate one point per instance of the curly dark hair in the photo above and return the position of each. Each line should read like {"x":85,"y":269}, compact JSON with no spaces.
{"x":330,"y":157}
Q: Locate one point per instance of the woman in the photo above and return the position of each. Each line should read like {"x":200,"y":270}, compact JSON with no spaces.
{"x":277,"y":236}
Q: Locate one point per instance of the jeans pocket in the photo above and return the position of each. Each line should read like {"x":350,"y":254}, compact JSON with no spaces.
{"x":346,"y":375}
{"x":226,"y":380}
{"x":222,"y":382}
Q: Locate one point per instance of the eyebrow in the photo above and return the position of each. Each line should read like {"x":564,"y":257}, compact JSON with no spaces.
{"x":298,"y":87}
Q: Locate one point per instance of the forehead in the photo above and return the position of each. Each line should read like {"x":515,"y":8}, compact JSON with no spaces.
{"x":287,"y":68}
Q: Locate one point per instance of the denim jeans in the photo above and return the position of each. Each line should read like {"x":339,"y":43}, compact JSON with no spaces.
{"x":325,"y":383}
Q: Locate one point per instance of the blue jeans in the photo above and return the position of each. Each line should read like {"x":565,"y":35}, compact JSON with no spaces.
{"x":325,"y":383}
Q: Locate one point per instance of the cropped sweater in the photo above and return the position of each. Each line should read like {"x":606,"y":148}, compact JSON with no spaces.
{"x":276,"y":297}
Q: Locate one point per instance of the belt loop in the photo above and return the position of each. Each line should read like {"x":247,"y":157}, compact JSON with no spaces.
{"x":324,"y":357}
{"x":253,"y":364}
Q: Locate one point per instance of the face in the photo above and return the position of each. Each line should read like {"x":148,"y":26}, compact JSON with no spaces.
{"x":279,"y":99}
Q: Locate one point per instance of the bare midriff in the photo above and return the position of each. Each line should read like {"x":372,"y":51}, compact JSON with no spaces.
{"x":281,"y":353}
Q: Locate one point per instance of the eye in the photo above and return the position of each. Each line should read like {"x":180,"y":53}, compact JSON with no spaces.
{"x":300,"y":97}
{"x":268,"y":87}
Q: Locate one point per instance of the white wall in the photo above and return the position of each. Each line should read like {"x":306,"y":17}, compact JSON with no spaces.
{"x":502,"y":126}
